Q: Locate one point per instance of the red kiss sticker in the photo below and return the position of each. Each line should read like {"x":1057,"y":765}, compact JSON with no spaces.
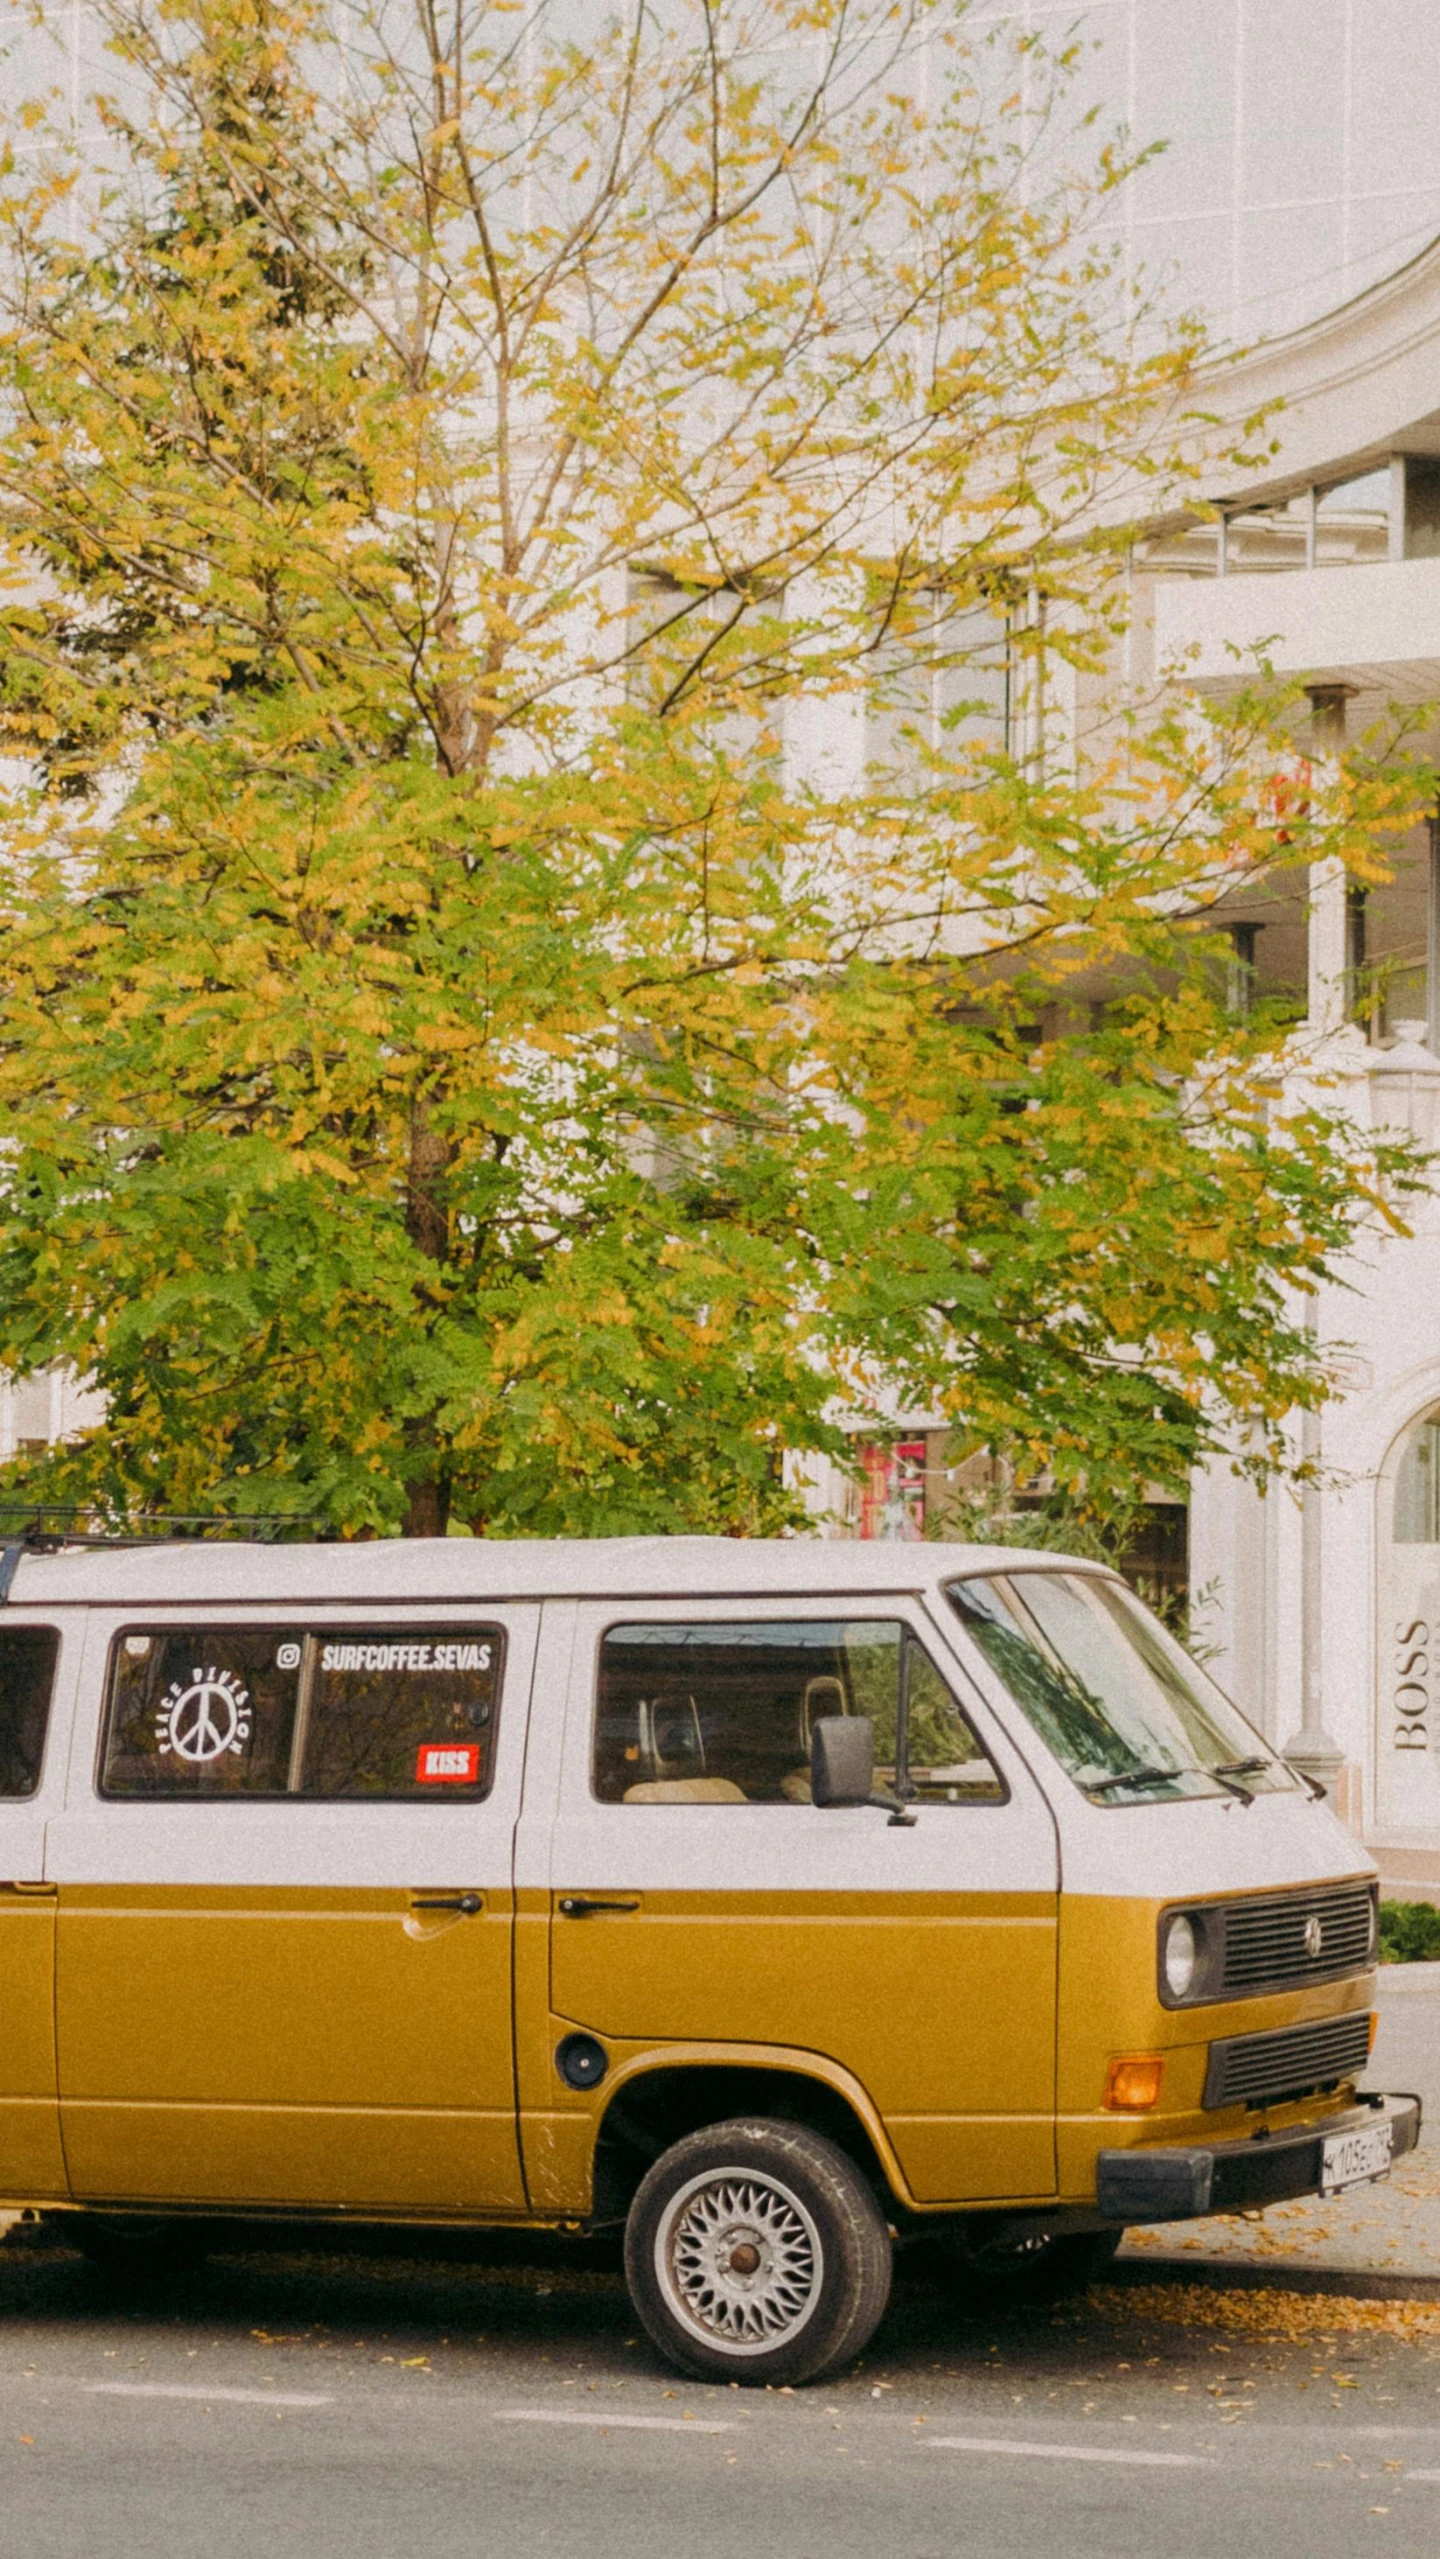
{"x":447,"y":1764}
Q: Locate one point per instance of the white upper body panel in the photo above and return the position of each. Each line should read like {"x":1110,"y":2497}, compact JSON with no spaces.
{"x":374,"y":1572}
{"x":1174,"y":1849}
{"x":1188,"y":1850}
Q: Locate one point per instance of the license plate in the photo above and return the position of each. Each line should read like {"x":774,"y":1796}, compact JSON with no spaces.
{"x":1353,"y":2158}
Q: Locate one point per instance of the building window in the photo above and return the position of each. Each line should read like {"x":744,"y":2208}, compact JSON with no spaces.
{"x":940,"y":690}
{"x":1241,"y":969}
{"x":1417,"y":1487}
{"x":1352,"y":521}
{"x":1422,"y":509}
{"x":1155,"y":1558}
{"x":1262,"y":538}
{"x":708,"y":645}
{"x":1349,"y":524}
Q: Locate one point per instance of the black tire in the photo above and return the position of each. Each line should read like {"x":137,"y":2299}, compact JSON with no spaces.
{"x":134,"y":2254}
{"x":755,"y":2251}
{"x":1016,"y":2272}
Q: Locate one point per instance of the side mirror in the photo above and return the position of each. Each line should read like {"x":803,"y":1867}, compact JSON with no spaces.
{"x":842,"y":1759}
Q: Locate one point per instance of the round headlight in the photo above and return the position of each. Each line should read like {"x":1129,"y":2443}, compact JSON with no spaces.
{"x":1180,"y":1955}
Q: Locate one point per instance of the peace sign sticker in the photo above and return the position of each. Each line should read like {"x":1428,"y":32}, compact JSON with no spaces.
{"x":202,"y":1718}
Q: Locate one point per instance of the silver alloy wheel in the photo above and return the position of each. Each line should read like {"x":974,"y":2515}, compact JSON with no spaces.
{"x":738,"y":2260}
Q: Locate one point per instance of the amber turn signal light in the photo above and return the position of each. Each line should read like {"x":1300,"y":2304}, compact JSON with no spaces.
{"x":1374,"y":2027}
{"x":1133,"y":2085}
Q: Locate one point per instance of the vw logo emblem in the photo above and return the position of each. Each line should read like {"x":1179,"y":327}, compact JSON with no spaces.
{"x":1314,"y":1938}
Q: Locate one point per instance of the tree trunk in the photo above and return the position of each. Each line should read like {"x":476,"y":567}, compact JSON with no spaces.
{"x":427,"y":1513}
{"x":427,"y":1223}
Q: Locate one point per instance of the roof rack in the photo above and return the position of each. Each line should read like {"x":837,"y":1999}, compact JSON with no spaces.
{"x":47,"y":1528}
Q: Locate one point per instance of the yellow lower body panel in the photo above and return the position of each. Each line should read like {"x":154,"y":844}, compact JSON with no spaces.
{"x":328,"y":2158}
{"x":32,"y":2165}
{"x":325,"y":2048}
{"x":941,"y":2006}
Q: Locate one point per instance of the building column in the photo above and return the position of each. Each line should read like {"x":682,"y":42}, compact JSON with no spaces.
{"x":1432,"y":940}
{"x":1312,"y":1748}
{"x":1328,"y":946}
{"x":1329,"y":930}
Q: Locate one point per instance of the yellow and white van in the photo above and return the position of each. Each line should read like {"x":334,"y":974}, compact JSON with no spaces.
{"x":775,"y":1901}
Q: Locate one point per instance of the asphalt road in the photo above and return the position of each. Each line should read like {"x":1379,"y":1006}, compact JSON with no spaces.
{"x":363,"y":2409}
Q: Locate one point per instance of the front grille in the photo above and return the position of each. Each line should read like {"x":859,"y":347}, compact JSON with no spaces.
{"x":1267,"y":2068}
{"x":1265,"y":1945}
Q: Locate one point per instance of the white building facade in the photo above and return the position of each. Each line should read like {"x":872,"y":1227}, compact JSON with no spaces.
{"x":1299,"y":162}
{"x":1325,"y":1608}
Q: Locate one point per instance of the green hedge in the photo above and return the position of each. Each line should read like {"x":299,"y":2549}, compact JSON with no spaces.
{"x":1409,"y":1932}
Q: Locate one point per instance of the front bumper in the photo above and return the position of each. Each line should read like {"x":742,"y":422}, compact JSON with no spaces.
{"x":1238,"y":2176}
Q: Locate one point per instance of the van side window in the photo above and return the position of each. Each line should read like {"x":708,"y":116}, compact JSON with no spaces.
{"x":28,"y":1655}
{"x":378,"y":1713}
{"x":396,"y":1712}
{"x":202,"y":1710}
{"x":722,"y":1713}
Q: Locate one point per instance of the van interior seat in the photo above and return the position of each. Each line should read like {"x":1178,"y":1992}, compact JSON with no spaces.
{"x":672,"y":1749}
{"x":686,"y":1790}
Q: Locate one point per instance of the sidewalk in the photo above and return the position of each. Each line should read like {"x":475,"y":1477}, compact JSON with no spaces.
{"x":1389,"y":2231}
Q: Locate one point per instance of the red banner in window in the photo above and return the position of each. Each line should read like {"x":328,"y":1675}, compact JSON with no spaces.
{"x":892,"y":1496}
{"x":447,"y":1764}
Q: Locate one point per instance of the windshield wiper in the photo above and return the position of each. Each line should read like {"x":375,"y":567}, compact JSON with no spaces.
{"x":1232,"y":1786}
{"x":1228,"y":1770}
{"x":1131,"y":1777}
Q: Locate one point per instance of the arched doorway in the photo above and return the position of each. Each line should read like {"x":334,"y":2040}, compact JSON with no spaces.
{"x":1407,"y":1739}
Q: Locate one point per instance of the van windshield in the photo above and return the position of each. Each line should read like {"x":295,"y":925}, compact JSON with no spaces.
{"x":1127,"y":1713}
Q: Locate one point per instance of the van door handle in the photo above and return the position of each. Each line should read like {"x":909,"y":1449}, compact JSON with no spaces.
{"x":466,"y":1903}
{"x":40,"y":1892}
{"x":590,"y":1905}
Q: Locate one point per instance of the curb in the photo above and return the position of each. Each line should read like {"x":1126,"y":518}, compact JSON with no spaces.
{"x":1278,"y":2274}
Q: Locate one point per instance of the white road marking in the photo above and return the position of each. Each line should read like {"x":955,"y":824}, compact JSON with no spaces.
{"x":189,"y":2390}
{"x":1430,"y":2476}
{"x":600,"y":2417}
{"x":1063,"y":2451}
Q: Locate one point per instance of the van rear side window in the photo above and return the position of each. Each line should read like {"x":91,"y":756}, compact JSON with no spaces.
{"x":377,"y":1713}
{"x":28,"y":1655}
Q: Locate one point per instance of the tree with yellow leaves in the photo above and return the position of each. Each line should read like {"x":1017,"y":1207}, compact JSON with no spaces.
{"x":521,"y":951}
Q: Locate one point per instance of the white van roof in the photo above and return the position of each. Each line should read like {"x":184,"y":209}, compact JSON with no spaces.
{"x":388,"y":1572}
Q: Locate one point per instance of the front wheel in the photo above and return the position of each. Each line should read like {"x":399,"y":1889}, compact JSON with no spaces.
{"x":755,"y":2251}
